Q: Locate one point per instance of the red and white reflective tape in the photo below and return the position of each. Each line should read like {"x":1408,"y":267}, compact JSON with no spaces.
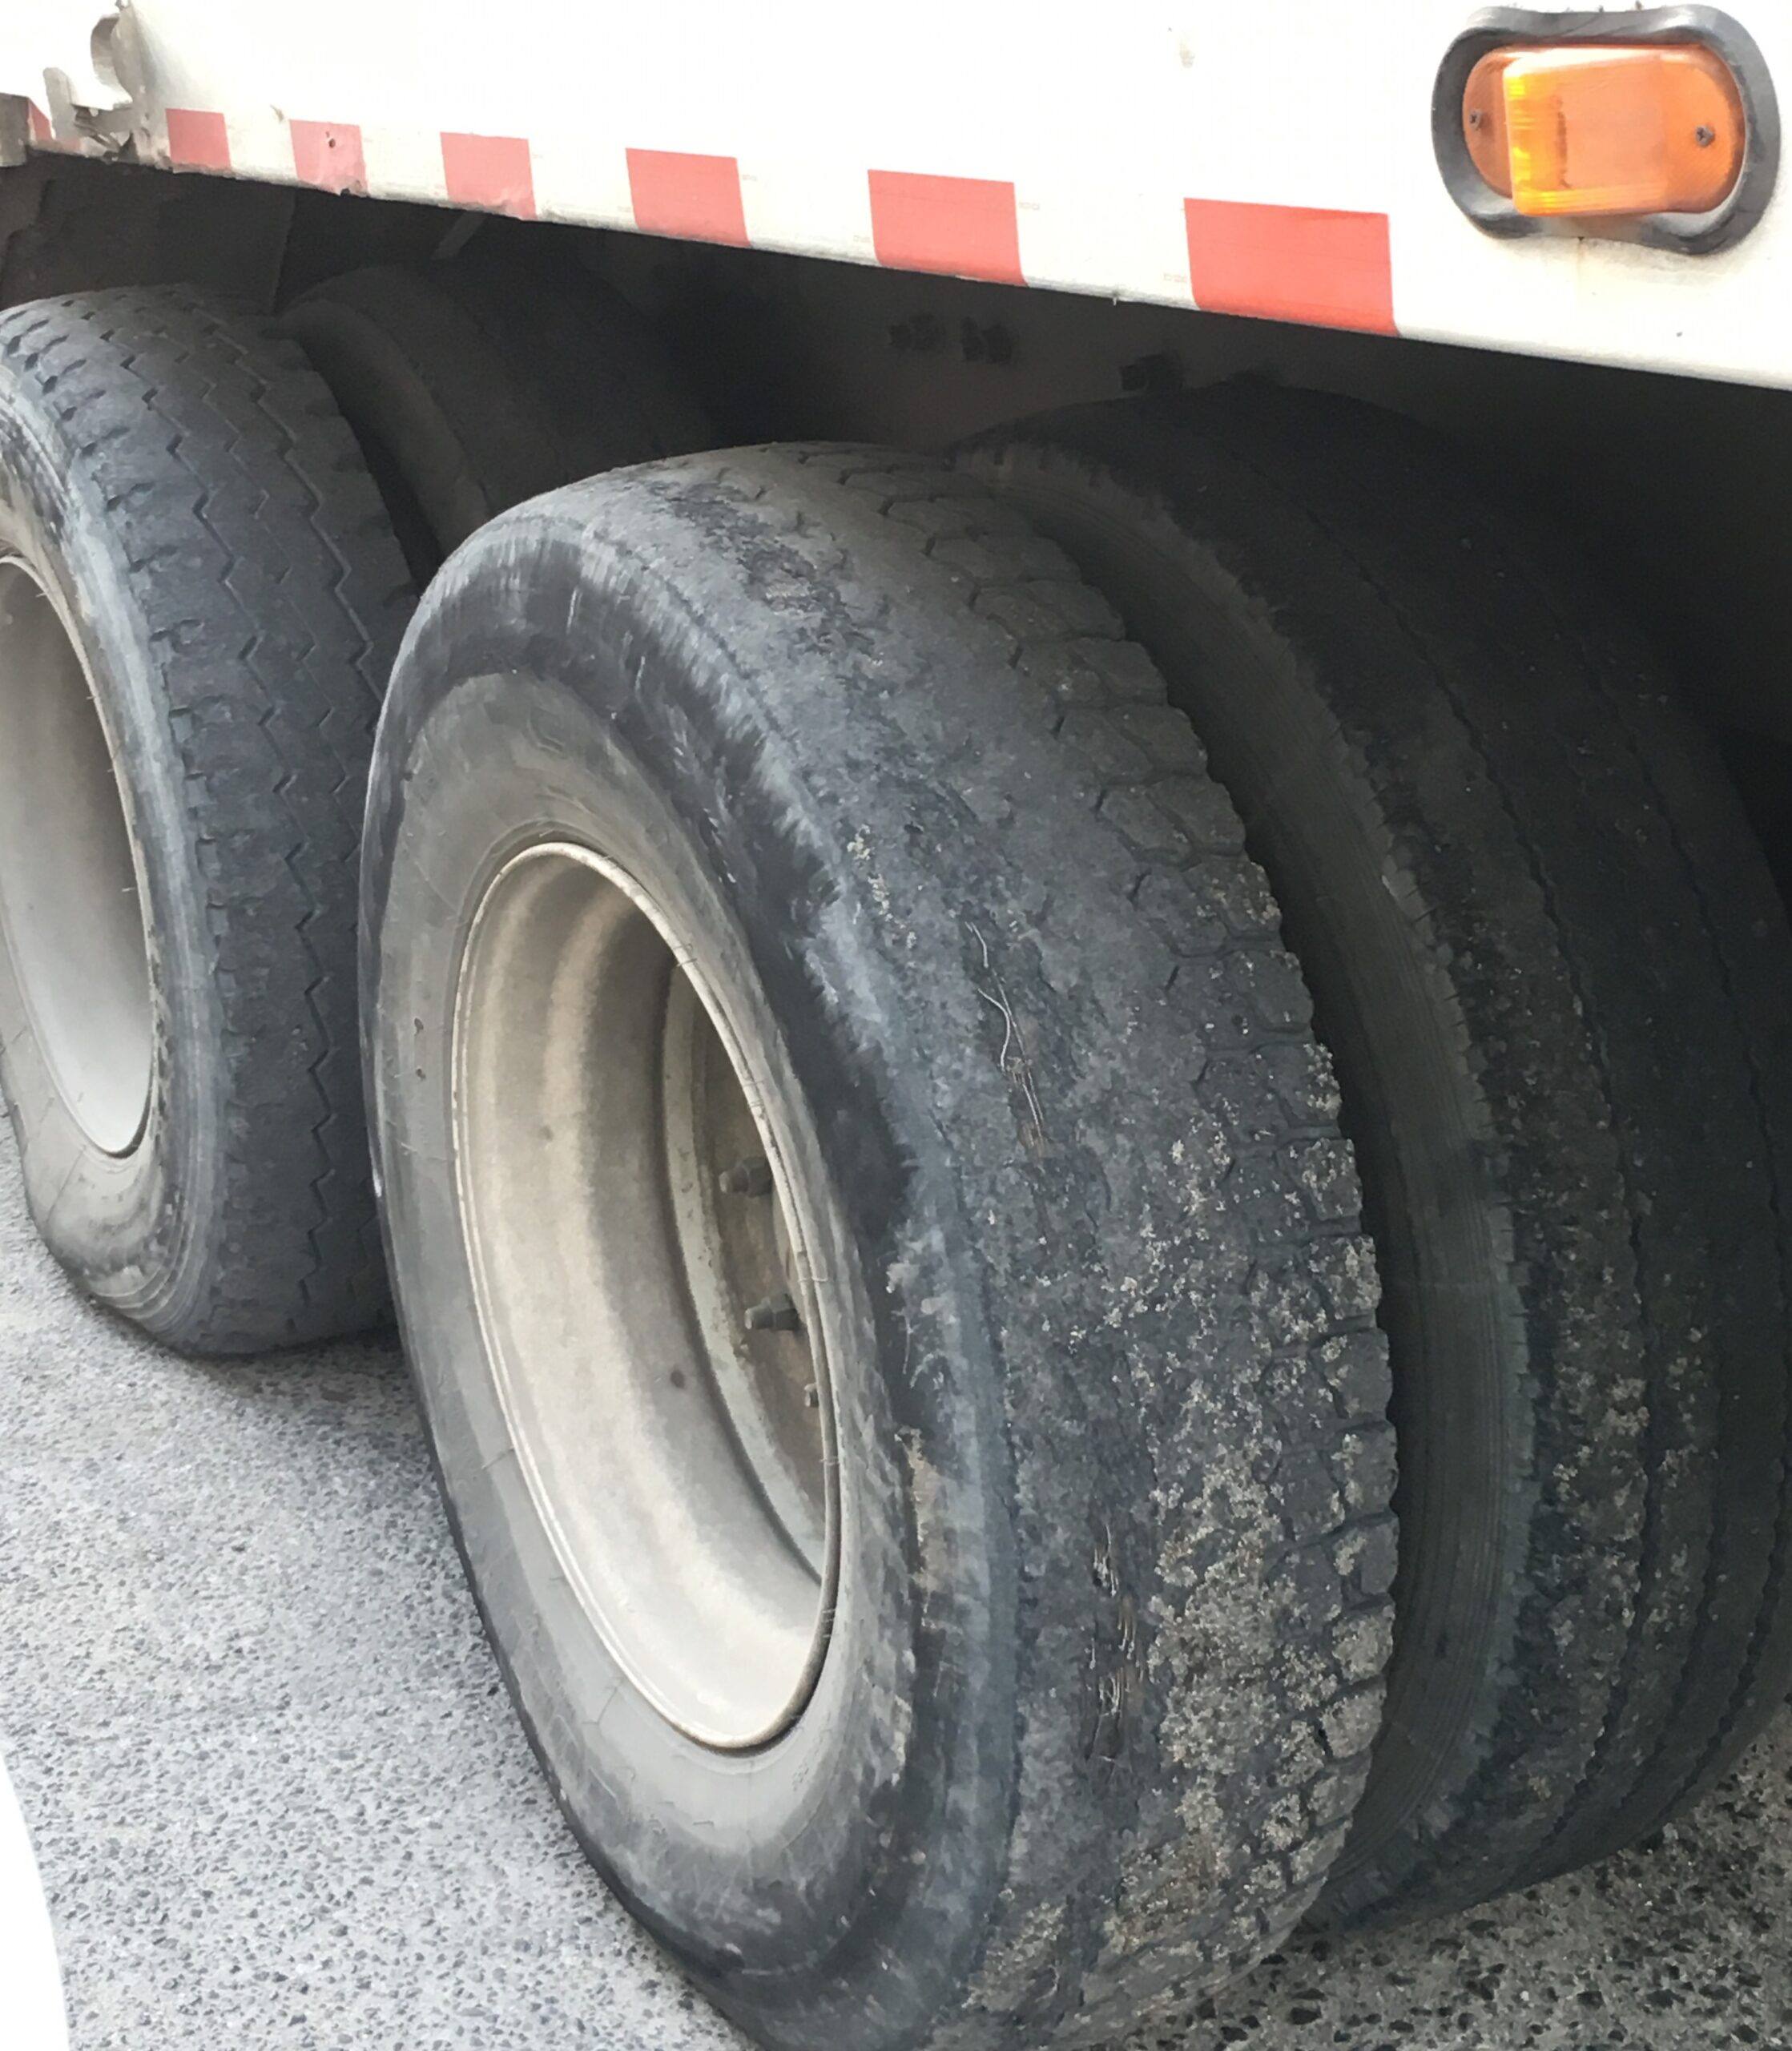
{"x":1320,"y":265}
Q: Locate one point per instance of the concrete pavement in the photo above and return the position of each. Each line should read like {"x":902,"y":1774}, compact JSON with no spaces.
{"x":280,"y":1803}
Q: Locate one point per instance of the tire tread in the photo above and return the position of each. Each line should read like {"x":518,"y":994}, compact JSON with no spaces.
{"x":262,"y":564}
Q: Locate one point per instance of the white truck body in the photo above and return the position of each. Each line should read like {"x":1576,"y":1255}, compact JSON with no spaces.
{"x":1274,"y":159}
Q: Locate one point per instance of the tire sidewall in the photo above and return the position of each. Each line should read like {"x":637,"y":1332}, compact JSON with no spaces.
{"x":796,"y":1845}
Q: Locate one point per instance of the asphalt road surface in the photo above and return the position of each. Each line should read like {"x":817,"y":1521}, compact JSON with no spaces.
{"x":279,"y":1803}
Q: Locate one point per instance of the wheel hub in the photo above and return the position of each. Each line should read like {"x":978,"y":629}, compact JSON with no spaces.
{"x":71,"y":911}
{"x":646,"y":1293}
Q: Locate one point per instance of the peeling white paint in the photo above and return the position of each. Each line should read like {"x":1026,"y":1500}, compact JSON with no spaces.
{"x":38,"y":38}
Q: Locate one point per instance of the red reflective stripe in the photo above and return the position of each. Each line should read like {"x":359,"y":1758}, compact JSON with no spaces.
{"x":198,"y":142}
{"x":42,"y":134}
{"x":329,"y":154}
{"x":492,"y":171}
{"x":1291,"y":264}
{"x":698,"y":197}
{"x":965,"y":227}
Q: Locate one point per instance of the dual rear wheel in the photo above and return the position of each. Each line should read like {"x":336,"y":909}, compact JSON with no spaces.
{"x":1544,"y":952}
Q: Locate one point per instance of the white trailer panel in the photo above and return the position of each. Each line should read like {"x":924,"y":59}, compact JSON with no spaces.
{"x":1274,"y":159}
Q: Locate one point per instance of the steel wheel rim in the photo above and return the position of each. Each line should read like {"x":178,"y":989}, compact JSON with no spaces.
{"x":71,"y":911}
{"x":642,"y":1266}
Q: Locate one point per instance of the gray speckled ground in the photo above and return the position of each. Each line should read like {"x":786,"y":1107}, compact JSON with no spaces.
{"x":280,"y":1803}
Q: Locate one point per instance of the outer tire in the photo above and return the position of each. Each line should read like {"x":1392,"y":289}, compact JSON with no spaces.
{"x":1111,"y":1600}
{"x":178,"y":488}
{"x":1549,"y":963}
{"x":472,"y":389}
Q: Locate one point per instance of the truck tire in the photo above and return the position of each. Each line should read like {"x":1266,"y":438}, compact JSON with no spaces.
{"x":948,"y":1595}
{"x":1548,"y":962}
{"x":199,"y":600}
{"x":473,"y":386}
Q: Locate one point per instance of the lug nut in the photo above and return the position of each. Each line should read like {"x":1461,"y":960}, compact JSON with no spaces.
{"x":775,"y":1314}
{"x":751,"y":1177}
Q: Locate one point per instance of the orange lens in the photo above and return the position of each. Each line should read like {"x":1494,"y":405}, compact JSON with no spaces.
{"x":1606,"y":128}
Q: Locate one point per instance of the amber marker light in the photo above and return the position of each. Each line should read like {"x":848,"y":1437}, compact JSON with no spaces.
{"x":1604,"y":129}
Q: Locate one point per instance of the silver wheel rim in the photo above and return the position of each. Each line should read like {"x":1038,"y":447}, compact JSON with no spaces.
{"x":642,"y":1263}
{"x":70,"y":907}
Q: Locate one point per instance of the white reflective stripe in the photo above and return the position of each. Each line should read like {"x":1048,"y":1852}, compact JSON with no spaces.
{"x":31,"y":1980}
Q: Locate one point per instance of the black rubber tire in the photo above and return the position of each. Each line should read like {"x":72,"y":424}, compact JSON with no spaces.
{"x":473,"y":386}
{"x":1549,"y":961}
{"x":181,"y":485}
{"x":1112,"y":1605}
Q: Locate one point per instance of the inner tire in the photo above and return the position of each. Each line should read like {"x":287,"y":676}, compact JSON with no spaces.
{"x":474,"y":385}
{"x":1077,"y":1701}
{"x":1548,"y":959}
{"x":199,"y":599}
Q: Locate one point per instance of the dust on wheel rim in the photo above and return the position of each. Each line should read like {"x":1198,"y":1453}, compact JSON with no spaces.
{"x":71,"y":901}
{"x":641,"y":1259}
